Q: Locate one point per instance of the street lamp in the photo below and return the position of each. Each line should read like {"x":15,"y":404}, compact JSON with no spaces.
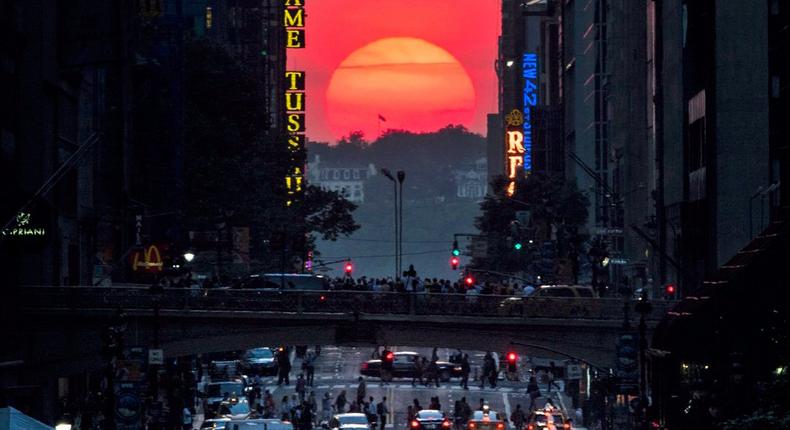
{"x":401,"y":178}
{"x":63,"y":423}
{"x":189,"y":256}
{"x":389,"y":176}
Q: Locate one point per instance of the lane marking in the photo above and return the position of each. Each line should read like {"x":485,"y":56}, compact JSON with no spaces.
{"x":507,"y":406}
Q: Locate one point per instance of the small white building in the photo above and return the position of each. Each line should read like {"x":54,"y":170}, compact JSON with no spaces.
{"x":348,"y":181}
{"x":472,"y":183}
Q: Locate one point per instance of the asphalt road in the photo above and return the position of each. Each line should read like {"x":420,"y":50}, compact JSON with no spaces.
{"x":337,"y":369}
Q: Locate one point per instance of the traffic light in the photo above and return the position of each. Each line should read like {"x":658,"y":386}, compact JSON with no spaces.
{"x":469,"y":280}
{"x":517,"y":246}
{"x":349,"y":268}
{"x":512,"y":357}
{"x":670,"y":291}
{"x":456,"y":251}
{"x":454,"y":262}
{"x":386,"y":359}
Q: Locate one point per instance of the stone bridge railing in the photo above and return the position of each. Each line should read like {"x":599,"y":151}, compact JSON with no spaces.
{"x":43,"y":298}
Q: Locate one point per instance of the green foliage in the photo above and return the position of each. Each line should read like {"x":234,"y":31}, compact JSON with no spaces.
{"x":235,"y":164}
{"x":774,"y":412}
{"x":552,"y":203}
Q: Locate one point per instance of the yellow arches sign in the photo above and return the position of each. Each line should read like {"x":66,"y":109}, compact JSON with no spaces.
{"x":149,"y":260}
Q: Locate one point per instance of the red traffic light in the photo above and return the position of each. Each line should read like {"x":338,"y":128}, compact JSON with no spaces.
{"x":454,"y":262}
{"x":469,"y":280}
{"x":670,"y":288}
{"x":511,"y":357}
{"x":389,"y":356}
{"x":349,"y":267}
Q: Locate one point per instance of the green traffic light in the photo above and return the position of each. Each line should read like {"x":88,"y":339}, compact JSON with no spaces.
{"x":456,"y":252}
{"x":517,"y":246}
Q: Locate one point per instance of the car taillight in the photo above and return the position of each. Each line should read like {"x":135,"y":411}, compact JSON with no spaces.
{"x":471,"y":425}
{"x":531,"y":427}
{"x":446,"y":424}
{"x":415,"y":424}
{"x":500,"y":426}
{"x":364,"y":366}
{"x":566,"y":426}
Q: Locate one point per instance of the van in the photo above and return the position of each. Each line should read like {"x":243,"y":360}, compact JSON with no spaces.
{"x":285,"y":281}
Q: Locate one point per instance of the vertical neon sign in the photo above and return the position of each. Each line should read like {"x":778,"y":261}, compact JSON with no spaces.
{"x":529,"y":70}
{"x":295,"y":99}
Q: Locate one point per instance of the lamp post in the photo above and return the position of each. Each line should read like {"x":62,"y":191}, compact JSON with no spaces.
{"x":401,"y":178}
{"x":644,"y":307}
{"x":389,"y":176}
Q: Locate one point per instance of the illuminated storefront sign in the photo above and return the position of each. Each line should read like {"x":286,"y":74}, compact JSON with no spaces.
{"x":295,"y":100}
{"x":148,"y":260}
{"x":23,"y":228}
{"x":514,"y":148}
{"x":529,"y":70}
{"x":294,"y":24}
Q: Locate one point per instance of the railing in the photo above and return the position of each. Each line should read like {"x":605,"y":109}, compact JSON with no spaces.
{"x":328,"y":302}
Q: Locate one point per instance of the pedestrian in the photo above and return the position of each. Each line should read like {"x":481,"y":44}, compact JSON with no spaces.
{"x":382,"y":412}
{"x":306,"y":419}
{"x":326,"y":407}
{"x":370,"y":412}
{"x":533,"y":391}
{"x":310,"y":368}
{"x":458,"y":415}
{"x":465,"y":369}
{"x":418,"y":370}
{"x":361,"y":390}
{"x":517,"y":418}
{"x":433,"y":373}
{"x":435,"y":405}
{"x":311,"y":401}
{"x":285,"y":409}
{"x":340,"y":402}
{"x":186,"y":419}
{"x":283,"y":367}
{"x":553,"y":372}
{"x":301,"y":387}
{"x":482,"y":404}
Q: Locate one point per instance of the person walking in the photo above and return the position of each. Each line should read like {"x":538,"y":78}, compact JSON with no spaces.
{"x":533,"y":391}
{"x":283,"y":367}
{"x":361,"y":391}
{"x":517,"y":418}
{"x":458,"y":415}
{"x":301,"y":387}
{"x":382,"y":412}
{"x":371,"y":412}
{"x":186,"y":419}
{"x":465,"y":370}
{"x":433,"y":373}
{"x":419,"y":366}
{"x":340,"y":402}
{"x":310,"y":366}
{"x":326,"y":407}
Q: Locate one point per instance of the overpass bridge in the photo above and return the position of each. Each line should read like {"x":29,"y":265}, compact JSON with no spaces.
{"x":62,"y":327}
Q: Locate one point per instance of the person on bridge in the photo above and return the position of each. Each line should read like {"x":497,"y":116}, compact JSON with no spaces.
{"x":465,"y":369}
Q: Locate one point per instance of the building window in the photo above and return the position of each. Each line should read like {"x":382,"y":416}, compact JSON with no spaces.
{"x":209,"y":18}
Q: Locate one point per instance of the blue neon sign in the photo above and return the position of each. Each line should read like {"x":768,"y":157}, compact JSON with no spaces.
{"x":529,"y":70}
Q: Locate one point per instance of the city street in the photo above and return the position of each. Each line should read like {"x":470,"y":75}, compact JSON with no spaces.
{"x":337,"y":369}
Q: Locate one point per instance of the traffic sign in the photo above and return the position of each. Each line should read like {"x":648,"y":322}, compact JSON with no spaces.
{"x":156,"y":356}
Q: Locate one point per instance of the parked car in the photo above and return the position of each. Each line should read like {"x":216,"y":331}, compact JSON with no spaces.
{"x":259,"y":361}
{"x":403,"y":367}
{"x":430,"y":419}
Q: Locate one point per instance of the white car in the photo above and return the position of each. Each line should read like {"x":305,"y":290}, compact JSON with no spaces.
{"x":349,"y":421}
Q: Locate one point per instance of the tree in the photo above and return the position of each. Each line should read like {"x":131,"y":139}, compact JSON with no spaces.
{"x":556,"y":212}
{"x":236,"y":164}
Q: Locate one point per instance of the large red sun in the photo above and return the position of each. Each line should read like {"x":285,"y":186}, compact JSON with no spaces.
{"x":413,"y":84}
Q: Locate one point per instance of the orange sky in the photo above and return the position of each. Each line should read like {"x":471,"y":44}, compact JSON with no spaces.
{"x":465,"y":29}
